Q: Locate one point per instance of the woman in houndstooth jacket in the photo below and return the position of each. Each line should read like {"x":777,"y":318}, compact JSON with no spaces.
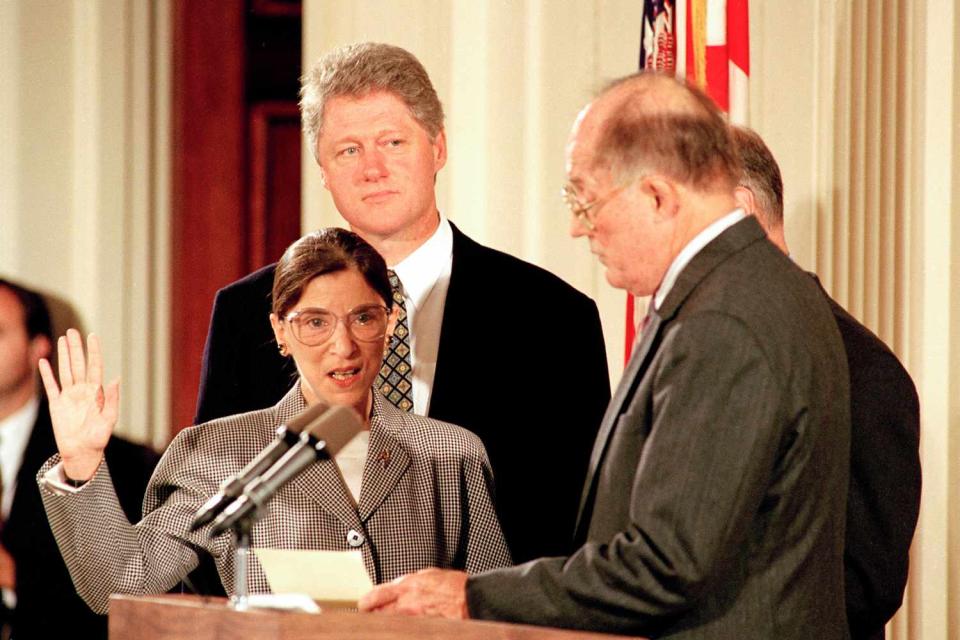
{"x":409,"y":493}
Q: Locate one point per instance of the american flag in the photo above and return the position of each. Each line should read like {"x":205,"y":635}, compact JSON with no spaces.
{"x":708,"y":43}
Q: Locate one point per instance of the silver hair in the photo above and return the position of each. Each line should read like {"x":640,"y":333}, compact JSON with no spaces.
{"x":358,"y":69}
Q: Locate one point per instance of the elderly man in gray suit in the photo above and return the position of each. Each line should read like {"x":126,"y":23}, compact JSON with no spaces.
{"x":714,"y":502}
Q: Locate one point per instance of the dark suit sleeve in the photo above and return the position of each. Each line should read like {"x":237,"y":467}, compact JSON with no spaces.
{"x":885,"y":482}
{"x":242,"y":370}
{"x":693,"y":494}
{"x":218,"y":380}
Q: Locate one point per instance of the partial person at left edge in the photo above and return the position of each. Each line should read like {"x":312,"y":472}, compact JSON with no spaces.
{"x":39,"y":599}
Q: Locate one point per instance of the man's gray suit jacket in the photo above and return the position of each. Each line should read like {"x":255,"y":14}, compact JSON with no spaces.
{"x":714,"y":501}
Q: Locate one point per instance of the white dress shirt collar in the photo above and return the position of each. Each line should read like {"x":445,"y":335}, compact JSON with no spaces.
{"x":692,"y":248}
{"x":425,"y":276}
{"x":420,"y":270}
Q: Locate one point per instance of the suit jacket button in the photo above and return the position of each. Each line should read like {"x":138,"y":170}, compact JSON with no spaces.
{"x":354,"y":538}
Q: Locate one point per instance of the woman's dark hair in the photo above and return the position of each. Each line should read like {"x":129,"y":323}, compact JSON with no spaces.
{"x":326,"y":251}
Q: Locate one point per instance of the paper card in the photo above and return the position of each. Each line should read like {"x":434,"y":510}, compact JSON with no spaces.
{"x":283,"y":602}
{"x":334,"y":578}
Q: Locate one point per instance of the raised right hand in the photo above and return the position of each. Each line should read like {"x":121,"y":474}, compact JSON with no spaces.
{"x":83,"y":412}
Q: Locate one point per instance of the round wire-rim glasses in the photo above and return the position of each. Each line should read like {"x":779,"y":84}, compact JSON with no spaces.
{"x":581,"y":211}
{"x":313,"y":326}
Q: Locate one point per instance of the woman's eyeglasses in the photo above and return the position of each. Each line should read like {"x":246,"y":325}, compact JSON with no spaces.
{"x":313,"y":327}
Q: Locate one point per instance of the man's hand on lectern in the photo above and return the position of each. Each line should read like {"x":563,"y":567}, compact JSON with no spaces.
{"x":431,"y":592}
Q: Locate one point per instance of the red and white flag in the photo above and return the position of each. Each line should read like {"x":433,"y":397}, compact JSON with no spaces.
{"x":708,"y":43}
{"x":714,"y":51}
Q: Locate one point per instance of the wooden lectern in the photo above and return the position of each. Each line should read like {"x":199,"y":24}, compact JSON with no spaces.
{"x":181,"y":617}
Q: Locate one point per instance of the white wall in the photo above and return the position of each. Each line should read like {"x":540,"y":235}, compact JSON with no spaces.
{"x":83,"y":178}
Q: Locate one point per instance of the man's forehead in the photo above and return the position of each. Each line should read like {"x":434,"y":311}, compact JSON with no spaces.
{"x":11,"y":309}
{"x":578,"y":121}
{"x":380,"y":108}
{"x":581,"y":145}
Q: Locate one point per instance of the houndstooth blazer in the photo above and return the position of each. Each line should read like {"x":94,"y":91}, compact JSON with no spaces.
{"x":425,"y":501}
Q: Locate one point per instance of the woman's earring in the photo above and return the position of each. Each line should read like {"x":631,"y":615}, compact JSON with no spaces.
{"x":282,"y":348}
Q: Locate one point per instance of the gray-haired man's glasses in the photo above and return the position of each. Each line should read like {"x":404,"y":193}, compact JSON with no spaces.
{"x":581,"y":211}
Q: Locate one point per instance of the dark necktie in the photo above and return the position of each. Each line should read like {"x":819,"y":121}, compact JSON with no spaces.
{"x":395,"y":378}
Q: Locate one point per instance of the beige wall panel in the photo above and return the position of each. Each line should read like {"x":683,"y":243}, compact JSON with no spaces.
{"x":41,"y":171}
{"x":952,"y":337}
{"x":783,"y":109}
{"x":83,"y":174}
{"x":10,"y":135}
{"x":158,"y":306}
{"x":934,"y":319}
{"x":882,"y":233}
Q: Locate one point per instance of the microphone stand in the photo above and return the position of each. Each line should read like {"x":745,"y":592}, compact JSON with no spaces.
{"x":242,"y":528}
{"x":340,"y":425}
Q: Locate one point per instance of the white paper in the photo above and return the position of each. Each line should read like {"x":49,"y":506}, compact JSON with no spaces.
{"x":336,"y":578}
{"x":283,"y":602}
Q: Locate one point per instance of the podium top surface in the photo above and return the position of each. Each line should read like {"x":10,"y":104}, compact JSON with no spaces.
{"x":172,"y":617}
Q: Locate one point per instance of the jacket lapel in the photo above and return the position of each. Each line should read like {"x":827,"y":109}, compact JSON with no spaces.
{"x":321,"y":481}
{"x":443,"y":397}
{"x":703,"y":263}
{"x":628,"y":382}
{"x":387,"y":460}
{"x":731,"y":241}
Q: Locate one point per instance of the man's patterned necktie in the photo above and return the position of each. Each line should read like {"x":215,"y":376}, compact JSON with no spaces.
{"x":395,"y":378}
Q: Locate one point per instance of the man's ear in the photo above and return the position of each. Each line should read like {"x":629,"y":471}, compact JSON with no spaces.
{"x":439,"y":152}
{"x":392,"y":322}
{"x":40,"y":347}
{"x":323,"y":177}
{"x":663,"y":193}
{"x":279,"y":331}
{"x":746,"y":199}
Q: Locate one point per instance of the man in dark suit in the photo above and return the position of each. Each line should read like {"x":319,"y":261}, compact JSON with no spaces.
{"x":497,"y":343}
{"x":884,"y":499}
{"x":714,"y":501}
{"x":43,"y":601}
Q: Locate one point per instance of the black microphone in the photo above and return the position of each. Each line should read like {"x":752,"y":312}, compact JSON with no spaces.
{"x":324,"y":438}
{"x":232,"y":488}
